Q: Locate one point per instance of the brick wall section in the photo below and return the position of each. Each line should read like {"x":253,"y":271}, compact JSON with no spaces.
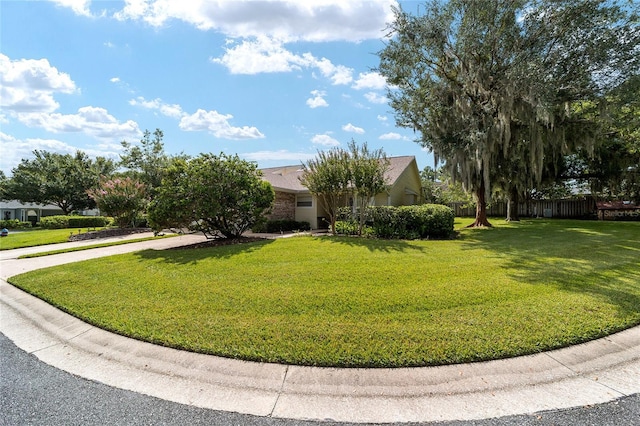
{"x":284,"y":206}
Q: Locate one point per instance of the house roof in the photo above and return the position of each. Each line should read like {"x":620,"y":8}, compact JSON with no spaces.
{"x":15,"y":204}
{"x":287,"y":178}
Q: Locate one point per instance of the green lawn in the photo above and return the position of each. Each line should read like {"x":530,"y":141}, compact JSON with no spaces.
{"x":35,"y":237}
{"x":515,"y":289}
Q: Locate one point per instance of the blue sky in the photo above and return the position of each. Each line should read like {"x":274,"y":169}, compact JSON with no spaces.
{"x":271,"y":81}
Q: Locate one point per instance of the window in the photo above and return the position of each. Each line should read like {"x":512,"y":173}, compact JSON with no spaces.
{"x":304,"y":201}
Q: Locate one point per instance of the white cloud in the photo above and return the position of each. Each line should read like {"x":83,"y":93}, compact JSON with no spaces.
{"x":28,"y":85}
{"x":287,"y":20}
{"x":214,"y":122}
{"x":390,"y":136}
{"x":370,"y":80}
{"x":169,"y":110}
{"x":324,"y":140}
{"x":218,"y":125}
{"x":351,"y":128}
{"x":281,"y":155}
{"x":339,"y":74}
{"x":318,"y":99}
{"x":262,"y":55}
{"x":79,"y":7}
{"x":115,"y":80}
{"x":383,"y":118}
{"x":93,"y":121}
{"x":375,"y":98}
{"x":267,"y":55}
{"x":14,"y":150}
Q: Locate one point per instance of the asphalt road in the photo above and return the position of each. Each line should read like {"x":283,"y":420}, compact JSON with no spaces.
{"x":34,"y":393}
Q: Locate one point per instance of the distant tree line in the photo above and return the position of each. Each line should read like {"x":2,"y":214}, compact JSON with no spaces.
{"x":217,"y":195}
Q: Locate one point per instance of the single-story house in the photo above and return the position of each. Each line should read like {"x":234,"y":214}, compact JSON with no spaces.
{"x":32,"y":212}
{"x":294,"y":201}
{"x":27,"y":212}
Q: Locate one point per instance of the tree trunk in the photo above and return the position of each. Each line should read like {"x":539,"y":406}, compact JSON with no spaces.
{"x":481,"y":209}
{"x":512,"y":206}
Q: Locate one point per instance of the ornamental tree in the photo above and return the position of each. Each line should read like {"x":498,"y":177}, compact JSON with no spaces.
{"x":368,"y":169}
{"x":122,"y":198}
{"x":216,"y":195}
{"x":328,"y":176}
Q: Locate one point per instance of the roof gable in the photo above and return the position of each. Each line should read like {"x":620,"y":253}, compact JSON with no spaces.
{"x":287,"y":178}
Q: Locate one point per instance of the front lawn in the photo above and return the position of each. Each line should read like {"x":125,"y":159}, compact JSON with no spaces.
{"x":516,"y":289}
{"x":35,"y":237}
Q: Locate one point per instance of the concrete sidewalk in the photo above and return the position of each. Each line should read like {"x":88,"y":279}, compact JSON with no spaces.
{"x":586,"y":374}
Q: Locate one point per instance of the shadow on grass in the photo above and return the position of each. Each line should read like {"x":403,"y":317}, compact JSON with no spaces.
{"x":601,"y":259}
{"x":374,"y":244}
{"x":194,"y":255}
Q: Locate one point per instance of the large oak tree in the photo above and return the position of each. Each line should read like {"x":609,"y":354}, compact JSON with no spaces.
{"x":488,"y":84}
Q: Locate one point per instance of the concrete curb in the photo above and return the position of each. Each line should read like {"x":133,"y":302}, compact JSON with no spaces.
{"x":586,"y":374}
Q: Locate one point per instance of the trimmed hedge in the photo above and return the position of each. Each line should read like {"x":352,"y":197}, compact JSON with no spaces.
{"x":412,"y":222}
{"x":14,"y":224}
{"x":282,"y":225}
{"x":61,"y":222}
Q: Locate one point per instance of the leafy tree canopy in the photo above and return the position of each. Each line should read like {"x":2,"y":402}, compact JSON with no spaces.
{"x":338,"y":173}
{"x":489,"y":84}
{"x":147,"y":161}
{"x":328,"y":176}
{"x":122,"y":198}
{"x":58,"y":179}
{"x":216,"y":195}
{"x":368,"y":169}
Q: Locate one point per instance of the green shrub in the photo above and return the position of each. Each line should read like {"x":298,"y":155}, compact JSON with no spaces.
{"x":350,"y":227}
{"x":346,"y":227}
{"x":54,"y":222}
{"x":282,"y":225}
{"x":61,"y":222}
{"x":142,"y":222}
{"x":14,"y":224}
{"x":384,"y":221}
{"x":412,"y":222}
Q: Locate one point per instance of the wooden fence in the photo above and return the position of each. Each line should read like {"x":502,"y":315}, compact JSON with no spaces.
{"x":565,"y":209}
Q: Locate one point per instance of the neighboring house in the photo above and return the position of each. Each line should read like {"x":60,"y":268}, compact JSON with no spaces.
{"x":26,"y":212}
{"x":32,"y":212}
{"x":294,"y":201}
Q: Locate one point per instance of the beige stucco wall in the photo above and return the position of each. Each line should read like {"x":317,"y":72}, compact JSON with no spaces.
{"x":397,"y":195}
{"x":308,"y":214}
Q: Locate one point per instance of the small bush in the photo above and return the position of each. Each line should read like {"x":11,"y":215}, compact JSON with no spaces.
{"x":142,"y":222}
{"x":282,"y":225}
{"x":61,"y":222}
{"x":14,"y":224}
{"x":412,"y":222}
{"x":346,"y":227}
{"x":350,"y":227}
